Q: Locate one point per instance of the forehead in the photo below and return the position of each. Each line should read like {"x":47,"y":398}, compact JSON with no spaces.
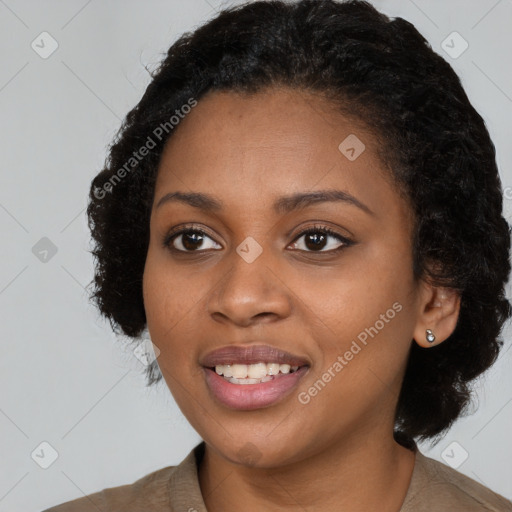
{"x":253,"y":148}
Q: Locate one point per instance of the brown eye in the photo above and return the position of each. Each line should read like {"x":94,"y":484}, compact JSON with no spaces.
{"x":189,"y":240}
{"x":316,"y":239}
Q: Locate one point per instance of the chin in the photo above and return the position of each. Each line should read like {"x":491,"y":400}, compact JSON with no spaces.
{"x":258,"y":451}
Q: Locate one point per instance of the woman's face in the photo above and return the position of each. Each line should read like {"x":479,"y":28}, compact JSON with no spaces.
{"x":346,"y":308}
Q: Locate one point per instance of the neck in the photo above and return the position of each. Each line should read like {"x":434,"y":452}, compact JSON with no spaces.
{"x":353,"y":475}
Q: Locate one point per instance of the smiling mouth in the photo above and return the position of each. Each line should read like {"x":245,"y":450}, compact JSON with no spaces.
{"x":249,"y":393}
{"x":248,"y":377}
{"x":253,"y":373}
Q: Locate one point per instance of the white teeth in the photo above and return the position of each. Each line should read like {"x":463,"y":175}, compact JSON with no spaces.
{"x":239,"y":371}
{"x":284,"y":368}
{"x":273,"y":368}
{"x":244,"y":381}
{"x":257,"y":371}
{"x":249,"y":381}
{"x":250,"y":372}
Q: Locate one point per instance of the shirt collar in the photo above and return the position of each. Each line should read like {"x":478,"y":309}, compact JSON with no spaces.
{"x":185,"y":492}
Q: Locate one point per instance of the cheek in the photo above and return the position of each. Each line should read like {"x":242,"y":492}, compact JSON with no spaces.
{"x":175,"y":305}
{"x":166,"y":300}
{"x":169,"y":305}
{"x":352,"y":297}
{"x":366,"y":316}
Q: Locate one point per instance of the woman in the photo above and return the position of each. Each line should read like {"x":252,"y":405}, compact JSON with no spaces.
{"x":304,"y":210}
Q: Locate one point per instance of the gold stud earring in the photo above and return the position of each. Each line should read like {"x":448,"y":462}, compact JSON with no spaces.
{"x":430,"y":336}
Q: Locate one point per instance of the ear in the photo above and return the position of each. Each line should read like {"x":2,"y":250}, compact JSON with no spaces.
{"x":438,"y":311}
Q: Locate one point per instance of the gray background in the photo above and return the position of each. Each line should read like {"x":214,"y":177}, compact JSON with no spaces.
{"x":64,"y":377}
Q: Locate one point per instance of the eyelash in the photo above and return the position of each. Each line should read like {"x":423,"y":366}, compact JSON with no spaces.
{"x":169,"y":239}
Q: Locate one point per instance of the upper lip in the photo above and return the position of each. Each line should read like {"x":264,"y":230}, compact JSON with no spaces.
{"x":251,"y":354}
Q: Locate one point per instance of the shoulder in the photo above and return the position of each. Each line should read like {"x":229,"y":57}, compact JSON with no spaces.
{"x":149,"y":492}
{"x":164,"y":490}
{"x":436,"y":487}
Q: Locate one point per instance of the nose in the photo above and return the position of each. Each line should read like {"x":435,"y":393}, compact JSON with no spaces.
{"x":250,"y":293}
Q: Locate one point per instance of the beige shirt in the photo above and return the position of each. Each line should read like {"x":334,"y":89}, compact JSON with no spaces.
{"x":434,"y":487}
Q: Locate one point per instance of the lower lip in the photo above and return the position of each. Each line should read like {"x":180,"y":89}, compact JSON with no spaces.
{"x":252,"y":396}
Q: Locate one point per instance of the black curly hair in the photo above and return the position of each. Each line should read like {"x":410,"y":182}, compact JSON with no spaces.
{"x":434,"y":143}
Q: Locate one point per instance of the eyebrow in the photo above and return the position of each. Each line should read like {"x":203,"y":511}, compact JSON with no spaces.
{"x":282,"y":205}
